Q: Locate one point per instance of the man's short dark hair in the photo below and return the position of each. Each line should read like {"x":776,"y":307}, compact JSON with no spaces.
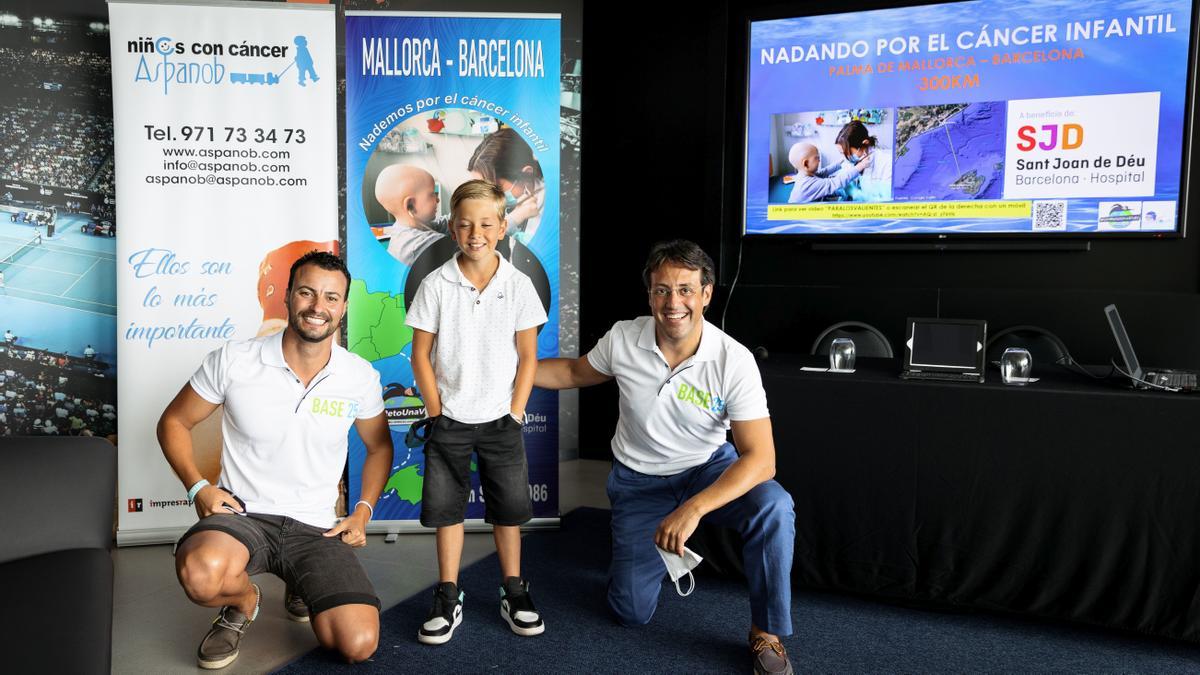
{"x":323,"y":259}
{"x":683,"y":253}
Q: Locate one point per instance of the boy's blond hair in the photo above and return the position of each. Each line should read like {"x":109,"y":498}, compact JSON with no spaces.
{"x":477,"y":189}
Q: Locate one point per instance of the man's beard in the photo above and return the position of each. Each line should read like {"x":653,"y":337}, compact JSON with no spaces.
{"x":304,"y":332}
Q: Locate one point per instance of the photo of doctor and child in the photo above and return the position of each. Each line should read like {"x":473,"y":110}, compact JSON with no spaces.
{"x":841,"y":155}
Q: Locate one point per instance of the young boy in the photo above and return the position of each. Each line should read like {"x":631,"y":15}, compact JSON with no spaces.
{"x":815,"y":182}
{"x":477,"y":317}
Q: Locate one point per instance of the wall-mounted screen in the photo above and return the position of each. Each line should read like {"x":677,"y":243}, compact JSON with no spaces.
{"x":990,"y":117}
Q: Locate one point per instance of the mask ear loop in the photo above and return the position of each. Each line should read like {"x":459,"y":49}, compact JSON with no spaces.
{"x":691,"y":586}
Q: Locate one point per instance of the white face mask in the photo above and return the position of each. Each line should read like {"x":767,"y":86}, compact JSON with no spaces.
{"x":681,"y":566}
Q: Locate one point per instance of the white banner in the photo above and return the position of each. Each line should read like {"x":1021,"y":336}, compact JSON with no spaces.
{"x":226,"y":164}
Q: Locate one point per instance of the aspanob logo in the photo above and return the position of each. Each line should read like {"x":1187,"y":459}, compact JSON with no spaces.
{"x":169,"y":62}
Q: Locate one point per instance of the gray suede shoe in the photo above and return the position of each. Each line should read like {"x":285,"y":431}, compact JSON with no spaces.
{"x":297,"y":610}
{"x":770,"y":658}
{"x":220,"y":647}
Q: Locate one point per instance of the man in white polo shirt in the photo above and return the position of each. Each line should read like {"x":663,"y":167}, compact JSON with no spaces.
{"x":289,"y":401}
{"x":683,"y":383}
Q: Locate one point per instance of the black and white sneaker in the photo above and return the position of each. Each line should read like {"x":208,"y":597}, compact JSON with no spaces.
{"x":445,"y":616}
{"x":516,"y":606}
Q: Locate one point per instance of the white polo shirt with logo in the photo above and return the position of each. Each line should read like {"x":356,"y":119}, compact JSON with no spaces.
{"x":672,"y":420}
{"x":284,"y":444}
{"x":475,"y":352}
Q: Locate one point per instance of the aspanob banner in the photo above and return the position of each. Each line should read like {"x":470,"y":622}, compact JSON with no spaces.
{"x":434,"y":100}
{"x":226,"y":157}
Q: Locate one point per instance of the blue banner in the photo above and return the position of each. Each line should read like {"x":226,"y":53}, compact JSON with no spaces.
{"x":434,"y":100}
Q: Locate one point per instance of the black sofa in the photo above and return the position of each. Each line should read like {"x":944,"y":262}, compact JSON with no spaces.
{"x":57,"y":496}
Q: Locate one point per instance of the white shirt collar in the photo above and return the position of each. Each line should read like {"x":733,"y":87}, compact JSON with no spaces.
{"x":454,"y":274}
{"x":272,"y":353}
{"x":706,"y":351}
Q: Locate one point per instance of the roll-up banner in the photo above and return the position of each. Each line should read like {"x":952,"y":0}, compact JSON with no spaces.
{"x":434,"y":99}
{"x":226,"y":165}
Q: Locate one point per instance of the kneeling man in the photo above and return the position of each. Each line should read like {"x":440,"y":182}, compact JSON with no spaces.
{"x":289,"y":401}
{"x":683,"y":383}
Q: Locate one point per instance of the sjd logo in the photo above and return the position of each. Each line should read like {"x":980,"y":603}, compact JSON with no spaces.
{"x":1071,"y":137}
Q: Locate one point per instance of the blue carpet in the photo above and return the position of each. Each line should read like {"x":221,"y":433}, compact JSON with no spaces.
{"x":705,"y":632}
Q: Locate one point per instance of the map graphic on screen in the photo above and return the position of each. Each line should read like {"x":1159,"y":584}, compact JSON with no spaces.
{"x":982,"y":117}
{"x":948,"y":152}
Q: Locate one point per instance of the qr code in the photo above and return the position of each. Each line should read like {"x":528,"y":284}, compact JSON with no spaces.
{"x":1050,"y":216}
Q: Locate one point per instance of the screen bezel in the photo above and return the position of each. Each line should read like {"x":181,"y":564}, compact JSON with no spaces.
{"x":980,"y":327}
{"x":785,"y":12}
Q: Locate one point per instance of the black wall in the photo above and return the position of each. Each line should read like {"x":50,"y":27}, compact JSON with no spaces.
{"x":662,"y":158}
{"x":653,"y":139}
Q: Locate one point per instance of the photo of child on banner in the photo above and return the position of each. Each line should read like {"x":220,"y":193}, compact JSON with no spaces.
{"x":405,"y":178}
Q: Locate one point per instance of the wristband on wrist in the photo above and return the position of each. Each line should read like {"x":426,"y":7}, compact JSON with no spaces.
{"x":368,"y":505}
{"x":195,"y":489}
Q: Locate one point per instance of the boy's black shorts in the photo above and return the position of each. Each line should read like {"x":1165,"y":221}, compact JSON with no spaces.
{"x":503,"y":472}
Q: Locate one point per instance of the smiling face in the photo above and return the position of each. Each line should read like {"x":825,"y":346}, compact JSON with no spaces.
{"x":677,"y":301}
{"x":477,"y":228}
{"x":316,"y":303}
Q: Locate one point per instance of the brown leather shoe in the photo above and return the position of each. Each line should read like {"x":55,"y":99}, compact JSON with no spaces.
{"x":770,"y":658}
{"x":220,"y":646}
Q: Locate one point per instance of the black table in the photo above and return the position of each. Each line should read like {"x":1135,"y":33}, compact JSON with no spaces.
{"x":1068,"y":498}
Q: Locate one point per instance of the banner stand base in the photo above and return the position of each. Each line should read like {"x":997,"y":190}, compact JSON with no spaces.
{"x":155,"y":535}
{"x":394,"y":528}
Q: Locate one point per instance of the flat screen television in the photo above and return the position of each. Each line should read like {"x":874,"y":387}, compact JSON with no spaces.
{"x":980,"y":118}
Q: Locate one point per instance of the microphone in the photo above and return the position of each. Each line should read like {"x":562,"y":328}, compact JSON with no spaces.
{"x":761,"y":353}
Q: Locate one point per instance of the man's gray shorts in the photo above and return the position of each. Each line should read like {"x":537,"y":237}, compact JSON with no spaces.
{"x":323,"y":570}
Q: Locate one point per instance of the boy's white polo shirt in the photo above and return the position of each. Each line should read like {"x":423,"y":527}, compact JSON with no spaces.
{"x":475,"y":352}
{"x":284,"y":444}
{"x":672,"y":420}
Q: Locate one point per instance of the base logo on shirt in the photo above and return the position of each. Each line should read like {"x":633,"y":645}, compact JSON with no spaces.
{"x":334,"y":407}
{"x":704,"y":399}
